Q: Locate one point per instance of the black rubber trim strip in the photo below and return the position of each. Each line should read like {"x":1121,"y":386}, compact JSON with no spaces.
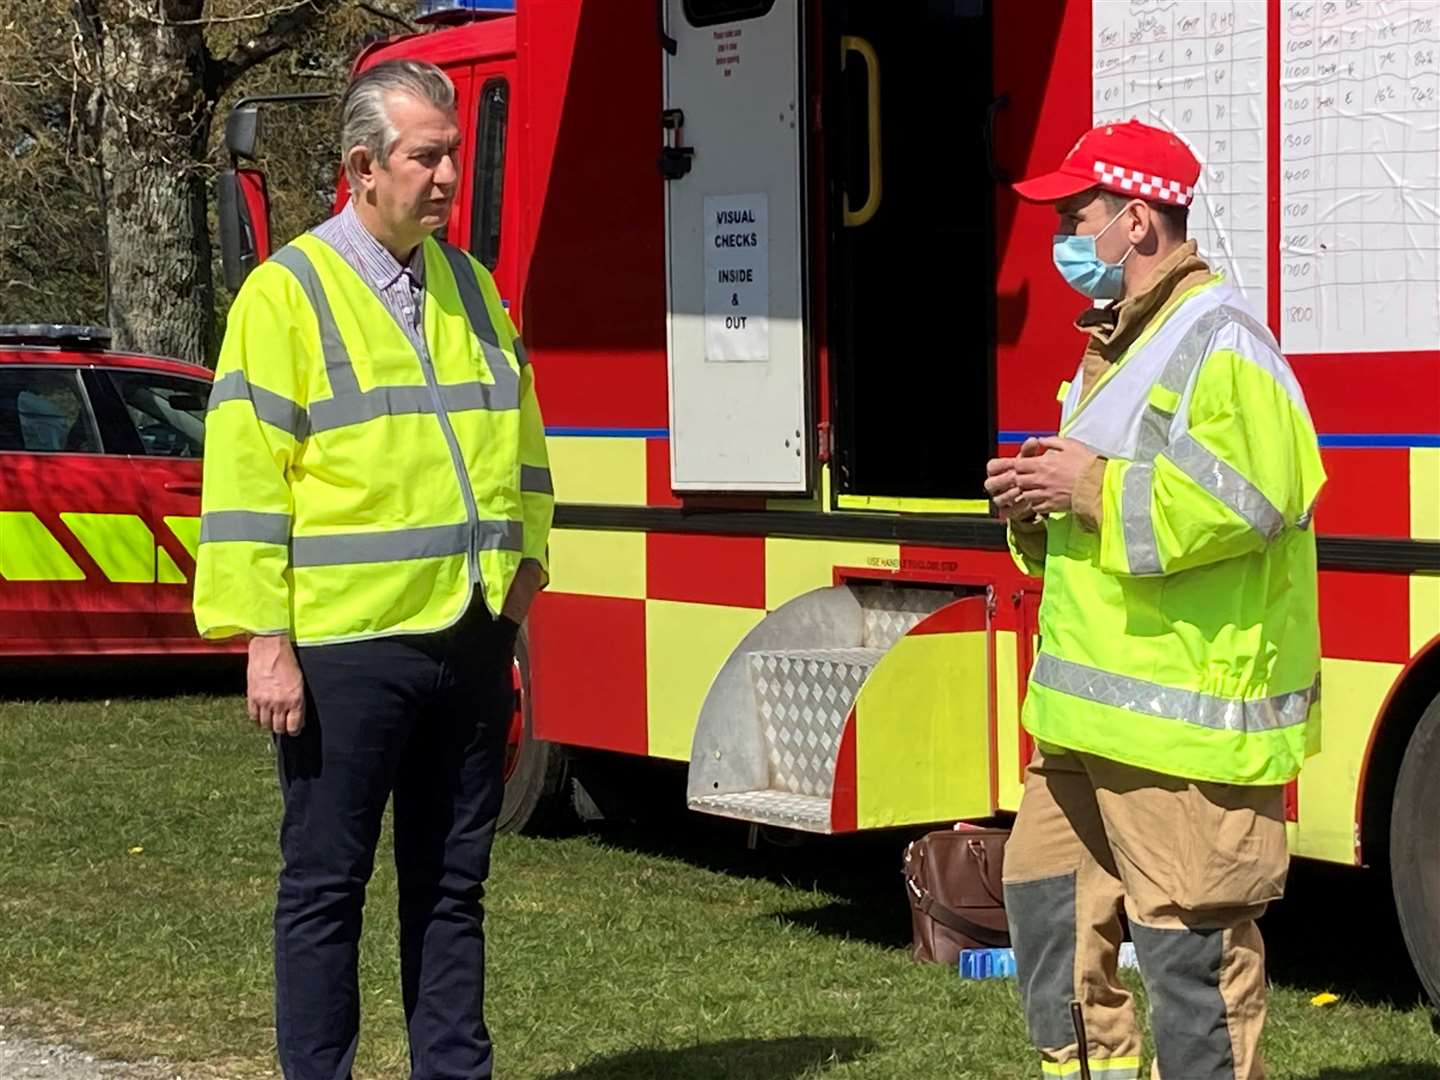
{"x":1368,"y":553}
{"x":986,"y":534}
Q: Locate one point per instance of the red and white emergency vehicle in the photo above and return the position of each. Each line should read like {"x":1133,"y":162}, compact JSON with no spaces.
{"x":783,"y":305}
{"x":99,"y":495}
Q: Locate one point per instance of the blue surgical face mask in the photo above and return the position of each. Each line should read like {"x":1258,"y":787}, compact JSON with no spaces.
{"x":1087,"y":273}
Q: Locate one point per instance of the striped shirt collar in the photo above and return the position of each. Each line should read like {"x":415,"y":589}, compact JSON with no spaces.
{"x":371,"y":259}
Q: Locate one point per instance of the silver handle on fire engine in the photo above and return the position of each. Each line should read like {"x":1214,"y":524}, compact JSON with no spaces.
{"x":862,"y":48}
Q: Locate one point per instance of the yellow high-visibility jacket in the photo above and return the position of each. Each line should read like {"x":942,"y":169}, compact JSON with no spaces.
{"x":1184,"y":636}
{"x":354,"y":488}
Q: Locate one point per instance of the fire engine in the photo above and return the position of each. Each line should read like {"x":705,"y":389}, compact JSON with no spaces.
{"x":783,"y":306}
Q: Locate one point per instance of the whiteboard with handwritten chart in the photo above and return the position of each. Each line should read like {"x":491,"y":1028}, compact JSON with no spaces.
{"x":1360,"y":175}
{"x":1198,"y":68}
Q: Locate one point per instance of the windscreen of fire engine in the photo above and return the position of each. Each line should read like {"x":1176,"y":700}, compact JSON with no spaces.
{"x":911,"y":286}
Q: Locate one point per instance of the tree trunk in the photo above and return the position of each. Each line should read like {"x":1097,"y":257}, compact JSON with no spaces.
{"x":152,"y":129}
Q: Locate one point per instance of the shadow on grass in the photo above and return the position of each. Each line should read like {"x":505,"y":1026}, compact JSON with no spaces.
{"x":1336,"y":930}
{"x":777,"y":1059}
{"x":1390,"y":1070}
{"x":860,"y":874}
{"x":108,"y":677}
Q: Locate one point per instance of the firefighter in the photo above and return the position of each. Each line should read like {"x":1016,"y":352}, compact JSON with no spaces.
{"x":375,"y":512}
{"x":1176,"y":687}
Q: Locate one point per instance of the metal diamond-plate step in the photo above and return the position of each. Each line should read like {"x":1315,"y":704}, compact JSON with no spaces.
{"x":890,"y":614}
{"x":803,"y":697}
{"x":809,"y":813}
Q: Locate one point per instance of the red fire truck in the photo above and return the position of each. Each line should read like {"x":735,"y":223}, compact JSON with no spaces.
{"x":783,"y":305}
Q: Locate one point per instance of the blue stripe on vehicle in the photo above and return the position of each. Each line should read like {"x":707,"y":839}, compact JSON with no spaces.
{"x":1336,"y":441}
{"x":606,"y":433}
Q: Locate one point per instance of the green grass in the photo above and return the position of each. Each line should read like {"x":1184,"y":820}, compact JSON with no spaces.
{"x":661,"y":951}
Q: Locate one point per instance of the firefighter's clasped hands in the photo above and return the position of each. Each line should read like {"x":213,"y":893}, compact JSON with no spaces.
{"x":1040,"y":479}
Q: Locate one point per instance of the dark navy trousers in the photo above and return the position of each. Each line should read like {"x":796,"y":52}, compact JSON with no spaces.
{"x":422,"y":718}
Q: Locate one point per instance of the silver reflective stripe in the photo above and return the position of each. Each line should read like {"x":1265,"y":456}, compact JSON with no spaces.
{"x":478,"y":314}
{"x":501,"y":535}
{"x":395,"y":545}
{"x":279,"y":412}
{"x":492,"y":397}
{"x":470,"y":294}
{"x":1175,"y":376}
{"x":218,"y":526}
{"x":332,"y":413}
{"x":1140,"y":550}
{"x":1180,"y":367}
{"x":1226,"y":485}
{"x":1189,"y":706}
{"x":535,"y":479}
{"x":1154,"y":432}
{"x":400,"y":545}
{"x":338,"y":368}
{"x":522,"y":354}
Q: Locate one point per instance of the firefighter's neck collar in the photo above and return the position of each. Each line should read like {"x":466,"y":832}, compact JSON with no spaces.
{"x":1119,"y":322}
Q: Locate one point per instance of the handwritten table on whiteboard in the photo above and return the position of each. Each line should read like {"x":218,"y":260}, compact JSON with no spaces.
{"x":1360,"y":175}
{"x":1197,"y":67}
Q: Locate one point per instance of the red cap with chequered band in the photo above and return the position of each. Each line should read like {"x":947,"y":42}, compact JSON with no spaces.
{"x":1132,"y":159}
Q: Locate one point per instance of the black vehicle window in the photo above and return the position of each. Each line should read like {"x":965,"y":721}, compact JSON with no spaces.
{"x":489,"y":172}
{"x":42,"y":410}
{"x":168,"y":411}
{"x":706,"y":12}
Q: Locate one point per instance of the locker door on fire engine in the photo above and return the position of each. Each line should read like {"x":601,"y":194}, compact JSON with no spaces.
{"x":734,"y":247}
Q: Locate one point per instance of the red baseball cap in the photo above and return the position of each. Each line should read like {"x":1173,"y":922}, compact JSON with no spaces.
{"x":1132,"y":159}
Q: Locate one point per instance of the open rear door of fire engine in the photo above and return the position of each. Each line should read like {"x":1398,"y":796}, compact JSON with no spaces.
{"x":734,"y":246}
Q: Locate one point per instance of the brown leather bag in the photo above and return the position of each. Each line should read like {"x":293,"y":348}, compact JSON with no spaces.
{"x":952,"y":878}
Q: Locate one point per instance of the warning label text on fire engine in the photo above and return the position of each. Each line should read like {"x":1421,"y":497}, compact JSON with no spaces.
{"x":737,"y":279}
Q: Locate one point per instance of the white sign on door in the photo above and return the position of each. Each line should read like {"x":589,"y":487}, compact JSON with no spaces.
{"x":737,"y":279}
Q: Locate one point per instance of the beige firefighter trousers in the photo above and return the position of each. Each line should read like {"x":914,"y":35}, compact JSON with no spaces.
{"x":1193,"y":865}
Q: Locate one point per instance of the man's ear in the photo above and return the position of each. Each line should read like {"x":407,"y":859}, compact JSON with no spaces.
{"x":1144,"y":216}
{"x":360,"y":165}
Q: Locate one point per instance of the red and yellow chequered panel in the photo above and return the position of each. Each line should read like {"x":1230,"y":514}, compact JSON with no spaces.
{"x":669,"y":609}
{"x":588,"y":671}
{"x":1371,"y":624}
{"x":639,"y":624}
{"x":595,"y":470}
{"x":704,"y":594}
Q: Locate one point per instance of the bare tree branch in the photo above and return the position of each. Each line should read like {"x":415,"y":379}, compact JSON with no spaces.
{"x":279,"y":34}
{"x":379,"y":12}
{"x":220,"y":20}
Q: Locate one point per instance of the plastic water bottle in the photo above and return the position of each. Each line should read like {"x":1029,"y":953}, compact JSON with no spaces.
{"x":1000,"y":963}
{"x":987,"y":963}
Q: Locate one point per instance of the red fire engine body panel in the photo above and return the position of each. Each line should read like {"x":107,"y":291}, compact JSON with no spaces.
{"x":630,"y":587}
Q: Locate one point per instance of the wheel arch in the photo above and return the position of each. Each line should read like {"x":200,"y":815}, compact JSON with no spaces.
{"x":1417,"y":686}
